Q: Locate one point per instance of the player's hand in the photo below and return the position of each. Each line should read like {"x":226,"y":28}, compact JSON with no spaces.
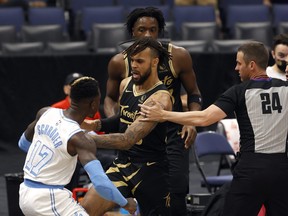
{"x":152,"y":113}
{"x":91,"y":125}
{"x":188,"y":133}
{"x":131,"y":206}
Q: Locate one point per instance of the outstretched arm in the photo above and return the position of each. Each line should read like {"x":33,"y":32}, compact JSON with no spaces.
{"x":137,"y":130}
{"x":85,"y":147}
{"x":196,"y":118}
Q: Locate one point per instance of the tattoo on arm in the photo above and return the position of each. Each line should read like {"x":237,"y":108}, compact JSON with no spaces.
{"x":135,"y":132}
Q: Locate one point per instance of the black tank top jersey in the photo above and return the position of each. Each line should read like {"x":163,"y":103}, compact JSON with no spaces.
{"x":152,"y":147}
{"x":170,"y":79}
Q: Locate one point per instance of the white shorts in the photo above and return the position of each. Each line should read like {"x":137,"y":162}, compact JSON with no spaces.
{"x":48,"y":201}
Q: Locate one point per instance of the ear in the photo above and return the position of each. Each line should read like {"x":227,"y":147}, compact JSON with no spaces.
{"x":273,"y":54}
{"x":155,"y":62}
{"x":252,"y":65}
{"x":93,"y":104}
{"x":67,"y":89}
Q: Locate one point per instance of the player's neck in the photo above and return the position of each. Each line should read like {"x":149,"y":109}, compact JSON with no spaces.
{"x":261,"y":75}
{"x":74,"y":114}
{"x":148,"y":84}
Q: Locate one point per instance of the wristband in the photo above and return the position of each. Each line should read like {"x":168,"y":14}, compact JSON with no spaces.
{"x":23,"y":143}
{"x":194,"y":98}
{"x":111,"y":124}
{"x":102,"y":184}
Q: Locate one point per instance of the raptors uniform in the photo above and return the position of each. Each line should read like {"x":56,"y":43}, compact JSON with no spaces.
{"x":141,"y":171}
{"x":261,"y":174}
{"x":49,"y":167}
{"x":178,"y":156}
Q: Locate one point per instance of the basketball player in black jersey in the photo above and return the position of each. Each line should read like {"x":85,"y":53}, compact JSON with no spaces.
{"x":260,"y":104}
{"x":149,"y":22}
{"x":141,"y":168}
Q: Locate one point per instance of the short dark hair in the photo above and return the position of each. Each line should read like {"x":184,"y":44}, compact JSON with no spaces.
{"x":280,"y":39}
{"x":142,"y":43}
{"x":145,"y":12}
{"x":255,"y":51}
{"x":84,"y":88}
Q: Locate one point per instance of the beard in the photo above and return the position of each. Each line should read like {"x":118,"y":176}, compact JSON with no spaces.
{"x":142,"y":78}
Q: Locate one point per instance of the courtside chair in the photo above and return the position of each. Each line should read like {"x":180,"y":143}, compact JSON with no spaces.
{"x":246,"y":13}
{"x":184,"y":14}
{"x":7,"y":34}
{"x":169,"y":31}
{"x":43,"y":33}
{"x":224,"y":4}
{"x":207,"y":144}
{"x":75,"y":12}
{"x":199,"y":31}
{"x":78,"y":5}
{"x":193,"y":46}
{"x":107,"y":36}
{"x":279,"y":14}
{"x":22,"y":48}
{"x":282,"y":28}
{"x":137,"y":3}
{"x":100,"y":15}
{"x":12,"y":16}
{"x":227,"y":45}
{"x":259,"y":31}
{"x":67,"y":48}
{"x":47,"y":16}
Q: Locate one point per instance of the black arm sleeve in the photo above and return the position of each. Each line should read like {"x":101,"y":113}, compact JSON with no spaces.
{"x":110,"y":125}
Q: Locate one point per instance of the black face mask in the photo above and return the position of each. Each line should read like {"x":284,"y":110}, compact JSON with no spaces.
{"x":281,"y":64}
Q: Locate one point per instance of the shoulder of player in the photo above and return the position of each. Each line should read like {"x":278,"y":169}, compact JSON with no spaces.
{"x":179,"y":55}
{"x":162,"y":96}
{"x":80,"y":138}
{"x":116,"y":64}
{"x":124,"y":83}
{"x":42,"y":111}
{"x":178,"y":49}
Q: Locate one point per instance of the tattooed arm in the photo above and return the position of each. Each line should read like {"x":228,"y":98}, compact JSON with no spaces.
{"x":137,"y":130}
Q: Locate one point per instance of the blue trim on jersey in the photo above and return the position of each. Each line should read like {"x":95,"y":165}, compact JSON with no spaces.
{"x":34,"y":184}
{"x":262,"y":79}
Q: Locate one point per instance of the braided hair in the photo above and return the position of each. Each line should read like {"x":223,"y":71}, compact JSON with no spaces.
{"x":84,"y":88}
{"x":145,"y":12}
{"x":156,"y":47}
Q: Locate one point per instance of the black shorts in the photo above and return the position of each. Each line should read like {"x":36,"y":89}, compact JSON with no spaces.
{"x":258,"y":179}
{"x":147,"y":182}
{"x":178,"y":158}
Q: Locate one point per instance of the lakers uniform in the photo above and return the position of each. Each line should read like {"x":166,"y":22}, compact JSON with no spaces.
{"x":49,"y":167}
{"x":178,"y":156}
{"x":141,"y":171}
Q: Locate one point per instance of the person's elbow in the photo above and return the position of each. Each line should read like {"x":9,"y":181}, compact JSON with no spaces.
{"x":128,"y":142}
{"x":207,"y":118}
